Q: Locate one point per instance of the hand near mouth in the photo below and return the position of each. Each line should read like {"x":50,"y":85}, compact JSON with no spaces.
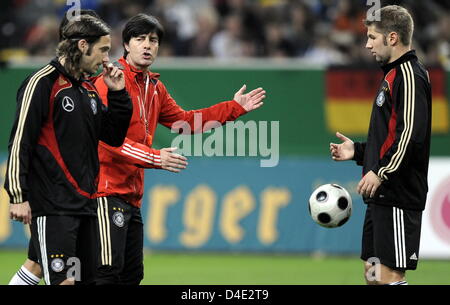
{"x":113,"y":77}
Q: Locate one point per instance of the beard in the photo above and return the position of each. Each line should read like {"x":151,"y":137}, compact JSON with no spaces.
{"x":382,"y":59}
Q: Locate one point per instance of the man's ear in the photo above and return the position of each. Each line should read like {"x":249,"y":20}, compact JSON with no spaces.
{"x":393,"y":39}
{"x":127,"y":47}
{"x":83,"y":46}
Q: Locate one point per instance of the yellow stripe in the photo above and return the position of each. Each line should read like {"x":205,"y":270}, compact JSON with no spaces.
{"x":408,"y":118}
{"x":14,"y":162}
{"x":348,"y":118}
{"x":439,"y":115}
{"x":354,"y":117}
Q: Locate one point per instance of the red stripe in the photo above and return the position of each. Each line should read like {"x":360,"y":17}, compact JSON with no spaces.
{"x":390,"y":77}
{"x":391,"y":134}
{"x":47,"y":138}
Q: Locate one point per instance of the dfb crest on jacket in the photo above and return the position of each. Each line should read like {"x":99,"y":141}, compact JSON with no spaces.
{"x":94,"y":106}
{"x":381,"y":98}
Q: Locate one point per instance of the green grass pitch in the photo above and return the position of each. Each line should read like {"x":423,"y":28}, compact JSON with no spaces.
{"x":251,"y":269}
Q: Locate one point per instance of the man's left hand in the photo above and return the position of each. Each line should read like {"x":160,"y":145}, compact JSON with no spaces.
{"x":252,"y":100}
{"x":369,"y":184}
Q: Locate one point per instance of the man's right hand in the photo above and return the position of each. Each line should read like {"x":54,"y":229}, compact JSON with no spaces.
{"x":250,"y":101}
{"x":343,"y":151}
{"x":113,"y":77}
{"x":171,"y":161}
{"x":20,"y":212}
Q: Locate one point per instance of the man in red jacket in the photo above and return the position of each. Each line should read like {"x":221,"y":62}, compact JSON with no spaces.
{"x":121,"y":182}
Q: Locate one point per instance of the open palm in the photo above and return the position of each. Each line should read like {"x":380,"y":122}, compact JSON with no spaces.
{"x":343,"y":151}
{"x":252,"y":100}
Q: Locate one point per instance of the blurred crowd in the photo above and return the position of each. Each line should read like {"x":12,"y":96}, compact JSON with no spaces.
{"x":319,"y":31}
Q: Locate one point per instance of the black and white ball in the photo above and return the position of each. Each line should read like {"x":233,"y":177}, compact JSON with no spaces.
{"x":330,"y":205}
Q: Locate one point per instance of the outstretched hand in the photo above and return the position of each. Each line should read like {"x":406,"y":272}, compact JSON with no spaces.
{"x":252,"y":100}
{"x":343,"y":151}
{"x":171,"y":161}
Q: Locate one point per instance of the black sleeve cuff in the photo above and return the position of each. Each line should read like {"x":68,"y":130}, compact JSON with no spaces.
{"x":358,"y":156}
{"x":117,"y":93}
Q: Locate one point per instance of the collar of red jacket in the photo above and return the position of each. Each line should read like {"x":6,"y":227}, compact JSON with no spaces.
{"x":135,"y":72}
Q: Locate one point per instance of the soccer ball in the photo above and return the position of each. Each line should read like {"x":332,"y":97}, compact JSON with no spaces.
{"x":330,"y":205}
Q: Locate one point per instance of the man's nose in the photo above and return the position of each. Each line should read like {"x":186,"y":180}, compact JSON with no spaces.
{"x":368,"y":45}
{"x":147,"y":43}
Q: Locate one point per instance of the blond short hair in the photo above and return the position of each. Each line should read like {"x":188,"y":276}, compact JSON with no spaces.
{"x":394,"y":18}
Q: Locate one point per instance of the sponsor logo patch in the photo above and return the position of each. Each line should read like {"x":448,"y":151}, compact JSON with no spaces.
{"x":68,"y":104}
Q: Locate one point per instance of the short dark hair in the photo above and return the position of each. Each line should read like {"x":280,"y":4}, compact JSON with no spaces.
{"x":86,"y":27}
{"x":65,"y":20}
{"x":394,"y":18}
{"x":141,"y":24}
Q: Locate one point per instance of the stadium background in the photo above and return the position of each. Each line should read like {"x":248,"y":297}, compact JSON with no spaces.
{"x":228,"y":213}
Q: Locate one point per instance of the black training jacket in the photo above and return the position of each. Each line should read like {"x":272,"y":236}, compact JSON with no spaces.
{"x":53,"y":157}
{"x":398,"y":143}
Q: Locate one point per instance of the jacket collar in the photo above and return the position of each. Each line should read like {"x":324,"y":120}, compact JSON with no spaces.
{"x":410,"y":55}
{"x":55,"y":63}
{"x":135,"y":73}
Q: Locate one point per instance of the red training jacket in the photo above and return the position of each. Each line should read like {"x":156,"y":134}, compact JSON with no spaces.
{"x":122,"y":168}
